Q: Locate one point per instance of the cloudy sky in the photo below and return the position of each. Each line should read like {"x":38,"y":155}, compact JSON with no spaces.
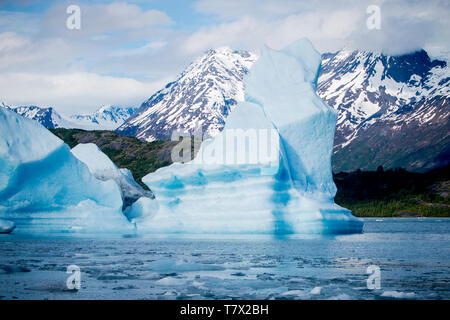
{"x":126,"y":50}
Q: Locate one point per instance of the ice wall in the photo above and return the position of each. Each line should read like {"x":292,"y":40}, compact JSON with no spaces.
{"x":287,"y":187}
{"x":134,"y":204}
{"x":283,"y":83}
{"x":44,"y":188}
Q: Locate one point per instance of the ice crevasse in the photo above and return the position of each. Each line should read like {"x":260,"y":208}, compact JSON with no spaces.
{"x":45,"y":189}
{"x":269,"y":170}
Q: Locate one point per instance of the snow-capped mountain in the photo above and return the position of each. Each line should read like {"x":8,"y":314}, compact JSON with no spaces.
{"x":105,"y":118}
{"x":201,"y":97}
{"x":48,"y":117}
{"x":393,"y":111}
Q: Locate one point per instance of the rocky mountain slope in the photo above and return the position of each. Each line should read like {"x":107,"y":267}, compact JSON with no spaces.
{"x":393,"y":111}
{"x":200,"y":98}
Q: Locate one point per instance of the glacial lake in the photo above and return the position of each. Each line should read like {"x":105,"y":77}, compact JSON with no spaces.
{"x":412,"y":254}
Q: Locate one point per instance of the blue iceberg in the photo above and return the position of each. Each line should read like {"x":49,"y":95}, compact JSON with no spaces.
{"x":6,"y":226}
{"x":44,"y":188}
{"x":137,"y":202}
{"x":269,"y":170}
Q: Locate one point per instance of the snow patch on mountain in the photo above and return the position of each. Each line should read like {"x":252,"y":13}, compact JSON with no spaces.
{"x":367,"y":88}
{"x":201,"y":97}
{"x":105,"y":118}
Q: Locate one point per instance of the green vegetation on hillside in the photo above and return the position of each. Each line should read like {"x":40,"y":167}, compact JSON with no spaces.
{"x":394,"y":193}
{"x":386,"y":193}
{"x":137,"y":156}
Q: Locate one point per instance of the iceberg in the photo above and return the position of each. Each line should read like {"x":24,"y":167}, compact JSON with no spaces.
{"x":6,"y":226}
{"x":269,"y":170}
{"x":44,"y":188}
{"x":137,"y":202}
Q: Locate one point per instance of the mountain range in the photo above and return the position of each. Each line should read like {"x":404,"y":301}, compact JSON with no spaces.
{"x":201,"y":97}
{"x":105,"y":118}
{"x":393,"y":110}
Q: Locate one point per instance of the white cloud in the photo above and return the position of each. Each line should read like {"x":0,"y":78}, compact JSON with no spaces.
{"x":42,"y":62}
{"x":327,"y":32}
{"x":126,"y":16}
{"x":74,"y":92}
{"x":9,"y":41}
{"x":13,"y":21}
{"x":150,"y":47}
{"x":23,"y":53}
{"x":233,"y":9}
{"x":98,"y":19}
{"x":406,"y":25}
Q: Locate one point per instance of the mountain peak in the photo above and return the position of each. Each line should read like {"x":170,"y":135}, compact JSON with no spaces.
{"x":223,"y":50}
{"x":226,"y":51}
{"x":380,"y":97}
{"x":107,"y":117}
{"x":202,"y":95}
{"x":104,"y":108}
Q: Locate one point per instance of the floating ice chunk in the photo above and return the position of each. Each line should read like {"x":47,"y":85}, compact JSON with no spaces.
{"x":171,"y":281}
{"x":342,"y":296}
{"x":242,"y":181}
{"x":143,"y":208}
{"x":42,"y":184}
{"x":104,"y":169}
{"x":316,"y":290}
{"x":398,"y":294}
{"x":296,"y":293}
{"x":6,"y":226}
{"x":171,"y":265}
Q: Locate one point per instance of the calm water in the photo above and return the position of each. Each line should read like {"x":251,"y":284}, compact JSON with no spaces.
{"x":413,"y":256}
